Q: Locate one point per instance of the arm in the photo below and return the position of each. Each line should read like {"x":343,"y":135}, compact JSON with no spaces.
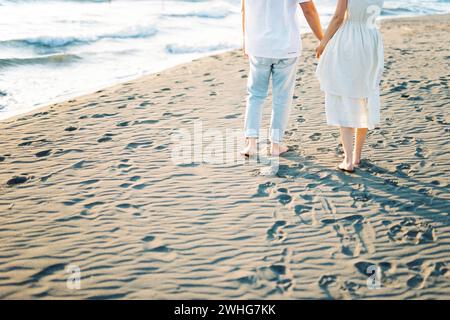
{"x":334,"y":25}
{"x":312,"y":17}
{"x":243,"y":26}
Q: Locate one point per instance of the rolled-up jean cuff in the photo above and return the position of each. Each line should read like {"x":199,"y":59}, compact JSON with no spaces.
{"x":251,"y":134}
{"x":275,"y":136}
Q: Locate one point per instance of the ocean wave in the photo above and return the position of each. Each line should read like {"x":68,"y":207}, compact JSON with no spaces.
{"x":400,"y":11}
{"x":206,"y":14}
{"x":63,"y":41}
{"x":47,"y":59}
{"x":186,"y":49}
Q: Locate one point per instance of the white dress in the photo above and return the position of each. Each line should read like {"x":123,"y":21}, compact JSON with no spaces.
{"x":350,"y":68}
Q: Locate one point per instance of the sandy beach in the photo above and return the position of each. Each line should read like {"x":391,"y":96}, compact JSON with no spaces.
{"x":91,"y":184}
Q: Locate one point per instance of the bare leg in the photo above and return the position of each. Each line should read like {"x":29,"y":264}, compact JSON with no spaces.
{"x":277,"y":149}
{"x":360,"y":138}
{"x":347,"y":143}
{"x":250,"y":147}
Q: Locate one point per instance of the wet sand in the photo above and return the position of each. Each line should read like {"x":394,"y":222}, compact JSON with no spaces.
{"x":91,"y":183}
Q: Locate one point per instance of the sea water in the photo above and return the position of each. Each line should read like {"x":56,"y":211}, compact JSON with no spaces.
{"x":51,"y":50}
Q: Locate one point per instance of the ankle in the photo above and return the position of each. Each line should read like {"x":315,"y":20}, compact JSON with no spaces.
{"x":251,"y":141}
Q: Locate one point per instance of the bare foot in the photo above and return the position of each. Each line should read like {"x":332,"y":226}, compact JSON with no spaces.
{"x":250,"y":148}
{"x":347,"y":167}
{"x":277,"y":149}
{"x":356,"y":160}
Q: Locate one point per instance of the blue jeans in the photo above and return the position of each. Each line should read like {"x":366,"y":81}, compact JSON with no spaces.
{"x":283,"y":73}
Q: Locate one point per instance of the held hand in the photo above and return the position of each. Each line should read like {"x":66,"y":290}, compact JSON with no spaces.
{"x":320,"y":49}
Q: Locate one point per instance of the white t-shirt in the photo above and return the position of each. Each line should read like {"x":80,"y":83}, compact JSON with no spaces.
{"x":272,"y":28}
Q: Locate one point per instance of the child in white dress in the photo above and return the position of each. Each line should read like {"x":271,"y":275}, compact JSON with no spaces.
{"x":349,"y":72}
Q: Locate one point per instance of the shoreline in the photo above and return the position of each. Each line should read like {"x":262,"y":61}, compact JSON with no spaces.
{"x":72,"y":96}
{"x":91,"y":183}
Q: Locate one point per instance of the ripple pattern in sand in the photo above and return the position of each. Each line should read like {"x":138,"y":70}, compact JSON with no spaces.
{"x":90,"y":183}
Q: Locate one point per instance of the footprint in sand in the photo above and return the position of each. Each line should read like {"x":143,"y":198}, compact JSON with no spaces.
{"x":89,"y":182}
{"x":103,"y":115}
{"x":70,"y":129}
{"x":136,"y":145}
{"x":124,"y":166}
{"x":326,"y":281}
{"x":420,"y":153}
{"x":324,"y":150}
{"x":25,"y":144}
{"x":148,"y":238}
{"x":140,"y":186}
{"x":360,"y":195}
{"x":73,"y":201}
{"x":93,"y":204}
{"x":400,"y":87}
{"x":425,"y":271}
{"x":300,"y":119}
{"x":16,"y":180}
{"x":153,"y":246}
{"x":306,"y":211}
{"x":400,"y":168}
{"x":315,"y":136}
{"x":149,"y":121}
{"x":301,"y":209}
{"x":106,"y":137}
{"x":135,"y":178}
{"x":412,"y":231}
{"x":284,"y":198}
{"x":276,"y":231}
{"x":334,"y":288}
{"x":264,"y":189}
{"x":161,"y":147}
{"x":355,"y":234}
{"x":232,"y":116}
{"x":277,"y":274}
{"x":123,"y":124}
{"x":405,"y":141}
{"x":43,"y":153}
{"x":144,"y":104}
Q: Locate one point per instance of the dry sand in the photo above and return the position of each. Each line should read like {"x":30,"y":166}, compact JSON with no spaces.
{"x":97,"y":189}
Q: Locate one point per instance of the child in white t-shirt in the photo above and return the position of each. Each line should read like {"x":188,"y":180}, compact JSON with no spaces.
{"x":273,"y":44}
